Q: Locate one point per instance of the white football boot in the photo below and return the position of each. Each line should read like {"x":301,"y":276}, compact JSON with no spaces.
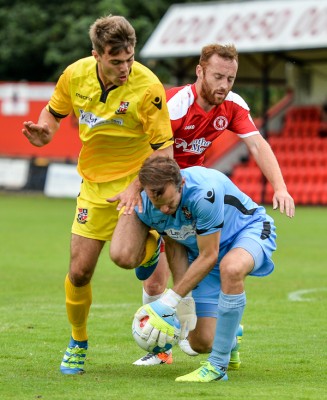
{"x":185,"y":346}
{"x":155,"y":359}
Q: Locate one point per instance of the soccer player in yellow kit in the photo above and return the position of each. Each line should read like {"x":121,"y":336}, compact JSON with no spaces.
{"x":123,"y":119}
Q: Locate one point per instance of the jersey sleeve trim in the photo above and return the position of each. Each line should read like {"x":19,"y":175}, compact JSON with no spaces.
{"x":235,"y":202}
{"x":209,"y":231}
{"x":244,"y":135}
{"x":161,"y":146}
{"x":54,"y":113}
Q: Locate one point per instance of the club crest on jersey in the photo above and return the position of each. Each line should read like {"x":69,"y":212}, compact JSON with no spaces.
{"x":186,"y":212}
{"x":220,"y":123}
{"x":122,"y":108}
{"x":82,"y":215}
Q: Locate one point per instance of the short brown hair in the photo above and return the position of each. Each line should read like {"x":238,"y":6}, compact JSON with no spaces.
{"x":113,"y":31}
{"x":227,"y":51}
{"x":157,"y":172}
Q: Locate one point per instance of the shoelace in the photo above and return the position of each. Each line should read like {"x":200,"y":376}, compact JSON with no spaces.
{"x":207,"y":367}
{"x":148,"y":356}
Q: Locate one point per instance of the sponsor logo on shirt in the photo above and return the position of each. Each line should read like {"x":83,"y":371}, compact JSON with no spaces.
{"x":183,"y":233}
{"x":188,"y":127}
{"x":220,"y":123}
{"x":157,"y":102}
{"x":197,"y":146}
{"x":91,"y":120}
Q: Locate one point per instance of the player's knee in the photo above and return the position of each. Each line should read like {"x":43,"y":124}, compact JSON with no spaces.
{"x":80,"y":277}
{"x":123,"y":258}
{"x":231,"y":273}
{"x":201,"y":340}
{"x":155,"y":286}
{"x":201,"y":345}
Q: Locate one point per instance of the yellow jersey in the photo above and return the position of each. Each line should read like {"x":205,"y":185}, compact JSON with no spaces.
{"x":119,"y":127}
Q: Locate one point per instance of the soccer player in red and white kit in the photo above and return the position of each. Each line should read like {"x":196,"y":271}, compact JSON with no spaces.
{"x":199,"y":114}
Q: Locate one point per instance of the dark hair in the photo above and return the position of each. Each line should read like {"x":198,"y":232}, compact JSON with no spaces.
{"x":227,"y":51}
{"x":157,"y":172}
{"x":113,"y":31}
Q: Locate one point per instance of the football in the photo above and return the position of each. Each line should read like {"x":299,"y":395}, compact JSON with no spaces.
{"x":137,"y":328}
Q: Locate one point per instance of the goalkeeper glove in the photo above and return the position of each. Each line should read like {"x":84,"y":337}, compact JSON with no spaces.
{"x":162,"y":326}
{"x":186,"y":315}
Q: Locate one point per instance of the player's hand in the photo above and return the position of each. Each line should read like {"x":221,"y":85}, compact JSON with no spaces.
{"x":38,"y":135}
{"x":162,"y":326}
{"x":186,"y":316}
{"x":284,"y":201}
{"x":128,"y":199}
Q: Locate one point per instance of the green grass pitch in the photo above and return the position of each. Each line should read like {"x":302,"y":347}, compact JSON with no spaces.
{"x":283,"y":351}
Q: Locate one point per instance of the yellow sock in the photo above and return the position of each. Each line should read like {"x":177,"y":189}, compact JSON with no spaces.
{"x":150,"y":246}
{"x":78,"y":303}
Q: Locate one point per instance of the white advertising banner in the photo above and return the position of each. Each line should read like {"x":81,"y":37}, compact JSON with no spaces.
{"x":252,"y":26}
{"x":13,"y":173}
{"x":62,"y":180}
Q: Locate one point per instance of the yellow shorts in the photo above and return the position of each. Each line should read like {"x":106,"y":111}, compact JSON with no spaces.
{"x":95,"y":218}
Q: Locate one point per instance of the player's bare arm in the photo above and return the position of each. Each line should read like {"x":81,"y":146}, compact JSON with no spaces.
{"x":202,"y":265}
{"x":41,"y":133}
{"x":267,"y":162}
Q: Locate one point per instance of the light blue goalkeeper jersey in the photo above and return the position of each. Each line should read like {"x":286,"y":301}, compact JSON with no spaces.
{"x":210,"y":202}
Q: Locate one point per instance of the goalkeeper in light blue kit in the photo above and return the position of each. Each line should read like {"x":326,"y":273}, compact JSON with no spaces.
{"x":215,"y":236}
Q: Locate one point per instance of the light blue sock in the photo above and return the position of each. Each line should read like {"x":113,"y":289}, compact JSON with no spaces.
{"x":230,"y":311}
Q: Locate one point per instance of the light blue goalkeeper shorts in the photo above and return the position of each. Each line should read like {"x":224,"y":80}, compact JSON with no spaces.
{"x":206,"y":294}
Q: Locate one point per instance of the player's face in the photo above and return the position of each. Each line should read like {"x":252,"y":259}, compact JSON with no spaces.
{"x":169,"y":201}
{"x":114,"y":70}
{"x":217,"y":79}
